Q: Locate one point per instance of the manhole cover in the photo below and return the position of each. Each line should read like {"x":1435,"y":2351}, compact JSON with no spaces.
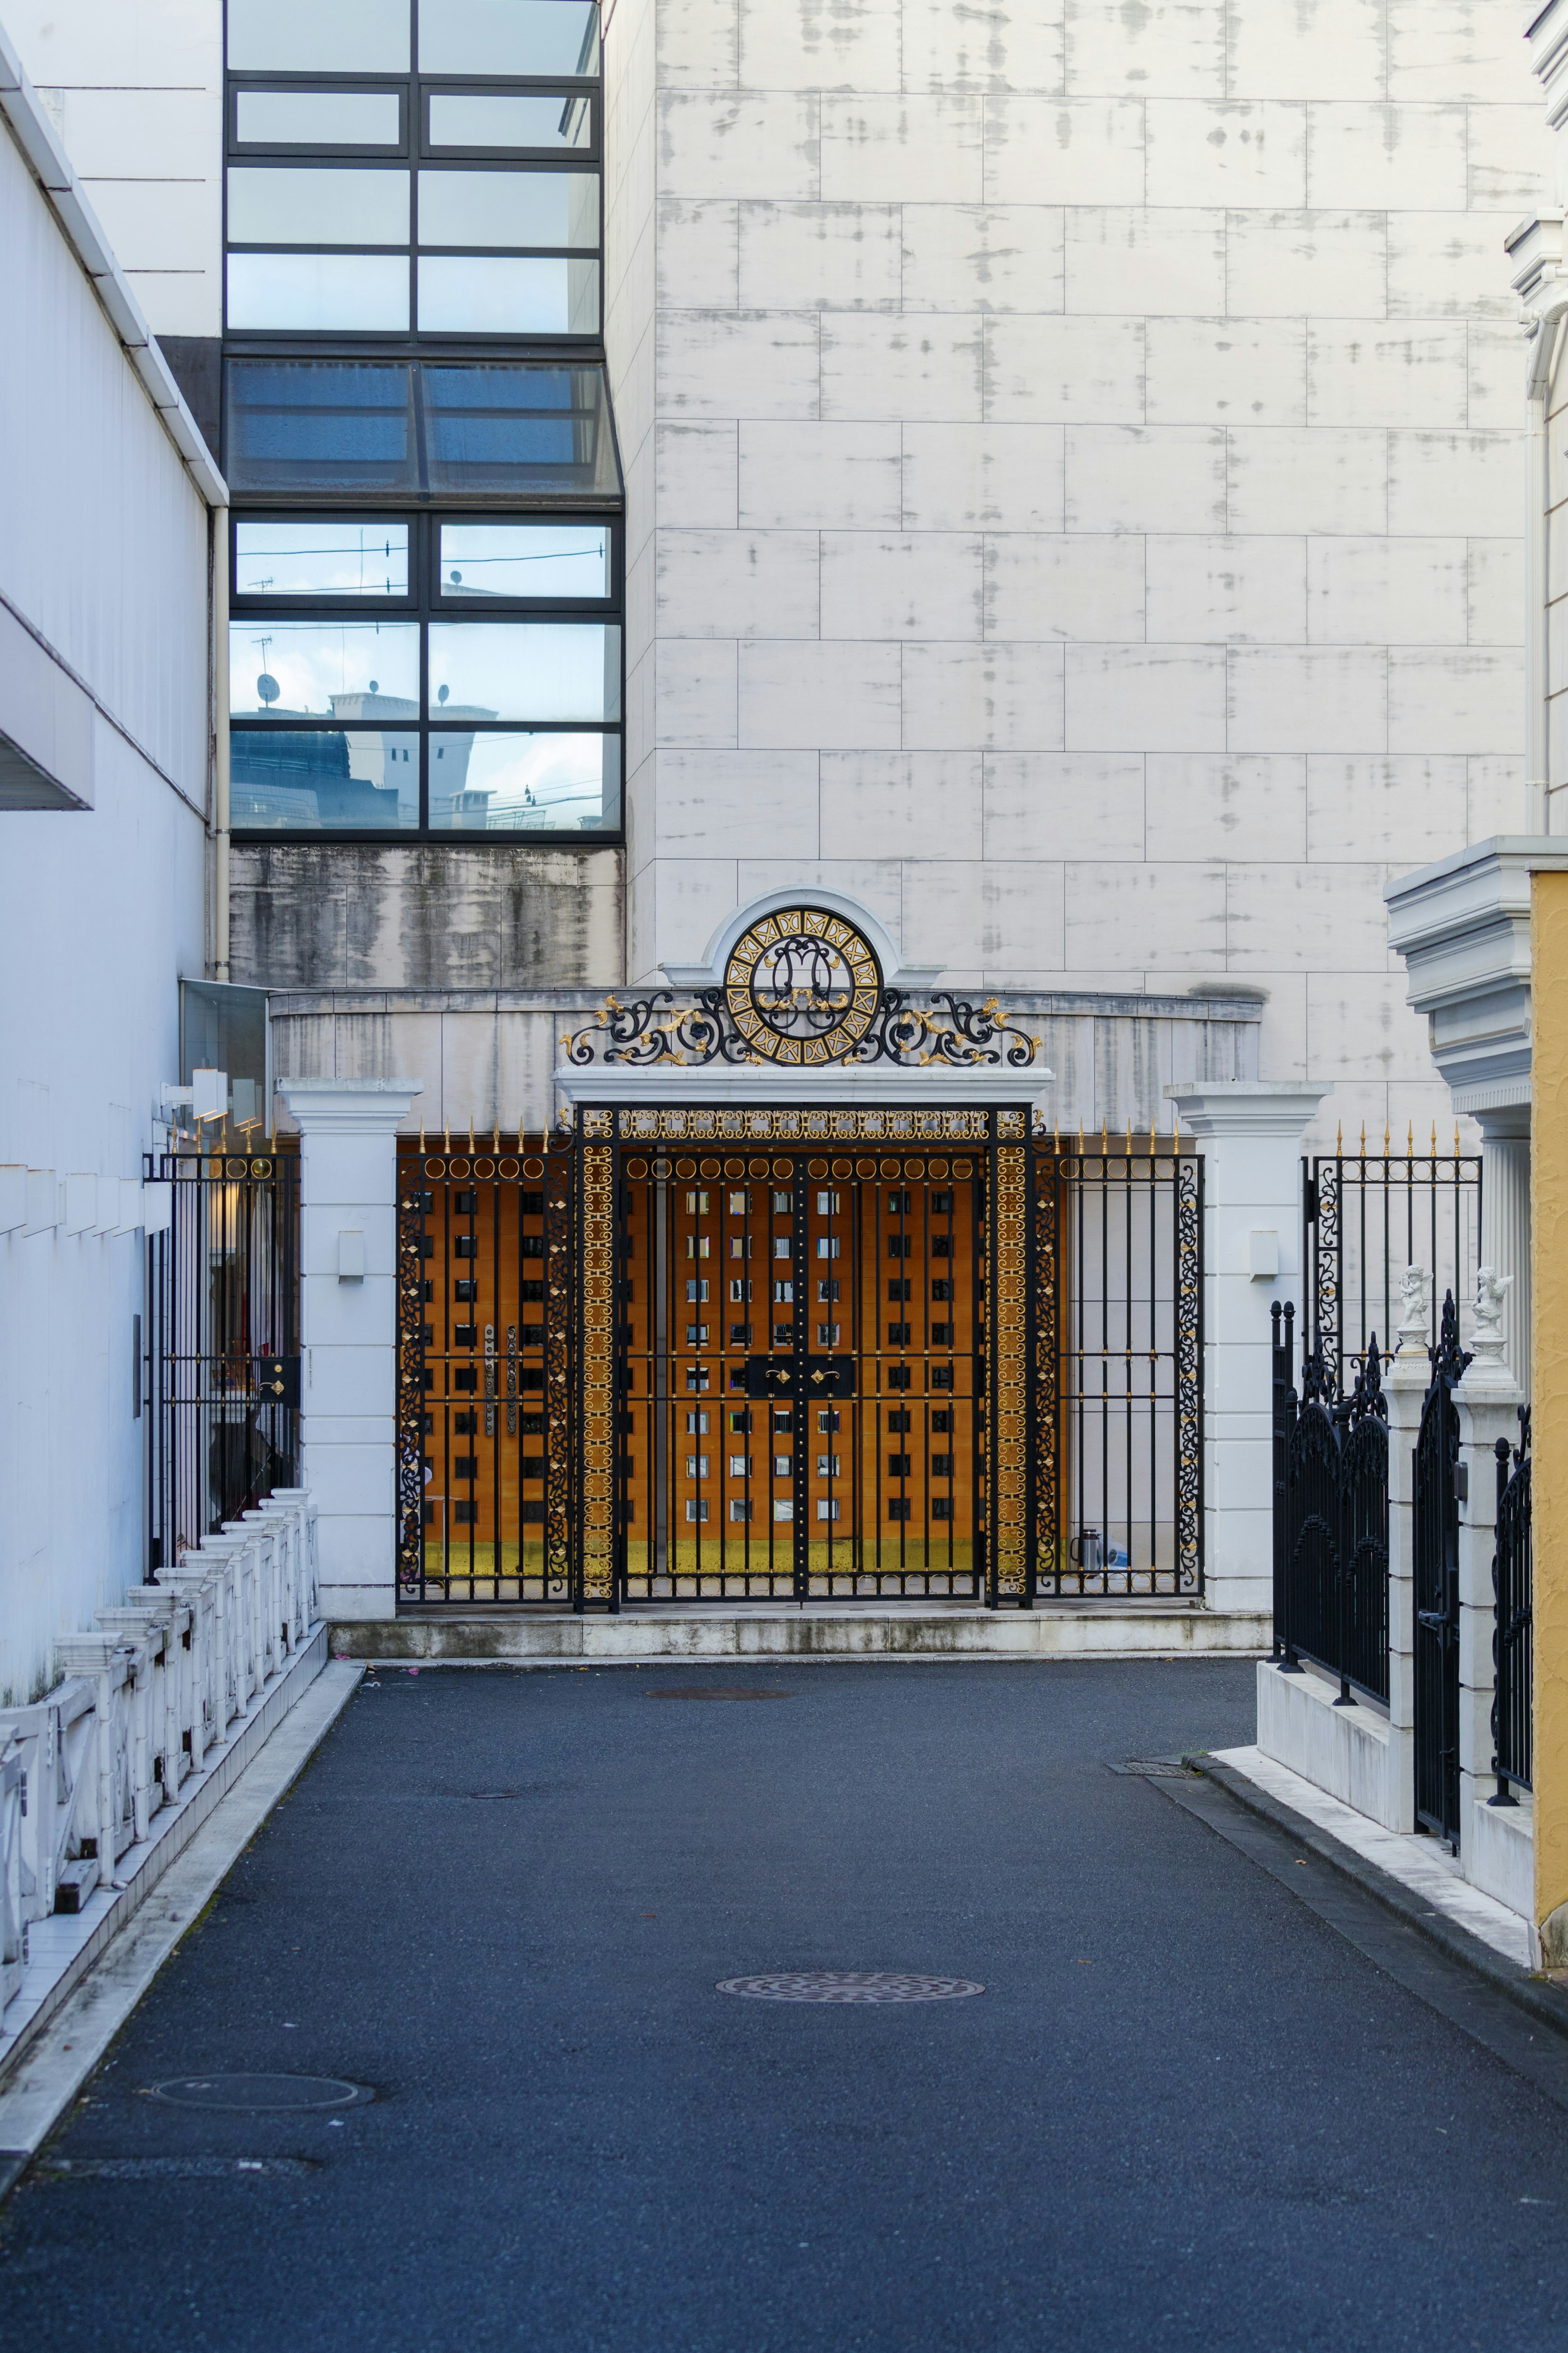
{"x":278,"y":2094}
{"x":716,"y":1691}
{"x":849,"y":1984}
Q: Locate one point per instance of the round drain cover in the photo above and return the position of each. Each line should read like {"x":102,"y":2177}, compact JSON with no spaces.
{"x":717,"y":1690}
{"x":278,"y":2093}
{"x":849,"y":1984}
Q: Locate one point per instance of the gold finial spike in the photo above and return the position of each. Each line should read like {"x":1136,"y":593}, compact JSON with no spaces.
{"x":470,"y":1135}
{"x":1364,"y":1139}
{"x":1080,"y":1139}
{"x":1386,"y":1139}
{"x":1130,"y":1139}
{"x":1104,"y":1138}
{"x":1176,"y":1125}
{"x":495,"y":1137}
{"x":1340,"y":1140}
{"x":1410,"y":1139}
{"x":1434,"y":1139}
{"x":1456,"y":1139}
{"x":421,"y":1138}
{"x":447,"y":1138}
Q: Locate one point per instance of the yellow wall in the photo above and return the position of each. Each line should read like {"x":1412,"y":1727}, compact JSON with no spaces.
{"x":1549,"y":1393}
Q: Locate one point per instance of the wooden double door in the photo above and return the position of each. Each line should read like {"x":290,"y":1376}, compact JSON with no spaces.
{"x":802,"y":1396}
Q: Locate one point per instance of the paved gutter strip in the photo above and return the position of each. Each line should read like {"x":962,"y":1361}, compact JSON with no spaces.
{"x":1544,"y":2004}
{"x":47,"y":2076}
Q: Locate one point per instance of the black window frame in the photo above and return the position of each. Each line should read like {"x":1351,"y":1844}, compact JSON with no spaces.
{"x":422,"y":605}
{"x":413,"y":154}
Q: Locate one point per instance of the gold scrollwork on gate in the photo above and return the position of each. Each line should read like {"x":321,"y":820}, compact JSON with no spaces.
{"x":1007,"y":1323}
{"x":598,"y":1377}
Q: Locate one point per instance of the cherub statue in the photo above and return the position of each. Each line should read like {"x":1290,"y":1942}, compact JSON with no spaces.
{"x":1411,"y":1336}
{"x":1487,"y":1340}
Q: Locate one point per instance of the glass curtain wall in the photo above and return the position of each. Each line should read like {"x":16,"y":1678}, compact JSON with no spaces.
{"x":425,"y":639}
{"x":414,"y":168}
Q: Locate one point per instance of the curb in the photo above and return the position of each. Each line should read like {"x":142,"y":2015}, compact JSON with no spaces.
{"x":1546,"y":2003}
{"x":49,"y":2075}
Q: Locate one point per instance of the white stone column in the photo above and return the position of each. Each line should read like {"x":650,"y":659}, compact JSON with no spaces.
{"x":1505,"y":1223}
{"x":1405,"y":1385}
{"x":1250,"y":1134}
{"x":348,"y":1191}
{"x":1495,"y":1853}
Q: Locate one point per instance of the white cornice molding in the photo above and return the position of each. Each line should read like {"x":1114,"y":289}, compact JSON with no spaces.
{"x":833,"y":1083}
{"x":349,"y":1107}
{"x":1242,"y":1107}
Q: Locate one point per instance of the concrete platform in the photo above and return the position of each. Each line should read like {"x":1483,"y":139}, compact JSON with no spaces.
{"x":463,"y":1636}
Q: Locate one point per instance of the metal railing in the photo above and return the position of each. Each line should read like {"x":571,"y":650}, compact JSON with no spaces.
{"x":1511,"y":1642}
{"x":222,"y":1342}
{"x":1366,"y":1218}
{"x":1330,"y":1518}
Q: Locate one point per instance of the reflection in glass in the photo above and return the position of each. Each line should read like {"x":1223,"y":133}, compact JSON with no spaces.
{"x":308,"y":37}
{"x":467,"y":295}
{"x":481,"y":118}
{"x":306,"y":778}
{"x":525,"y":670}
{"x":508,"y":208}
{"x":328,"y":670}
{"x":300,"y":293}
{"x":317,"y":118}
{"x":525,"y":559}
{"x":509,"y":37}
{"x":286,"y":205}
{"x":522,"y":784}
{"x":321,"y":559}
{"x":351,"y":427}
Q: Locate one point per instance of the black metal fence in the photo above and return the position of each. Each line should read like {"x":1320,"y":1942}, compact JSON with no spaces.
{"x":1435,"y":1546}
{"x":1512,"y":1585}
{"x":1330,"y":1518}
{"x":221,"y":1343}
{"x":1368,"y":1216}
{"x":1118,"y":1305}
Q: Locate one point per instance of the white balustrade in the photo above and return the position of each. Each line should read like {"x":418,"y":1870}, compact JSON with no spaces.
{"x":148,"y":1698}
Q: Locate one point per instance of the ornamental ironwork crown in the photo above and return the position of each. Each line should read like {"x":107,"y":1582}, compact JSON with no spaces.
{"x":802,"y":987}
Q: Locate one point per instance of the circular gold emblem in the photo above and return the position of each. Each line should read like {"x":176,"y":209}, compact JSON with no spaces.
{"x":802,"y":987}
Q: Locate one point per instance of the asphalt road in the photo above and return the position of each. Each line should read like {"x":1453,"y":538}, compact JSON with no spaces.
{"x":1183,"y":2114}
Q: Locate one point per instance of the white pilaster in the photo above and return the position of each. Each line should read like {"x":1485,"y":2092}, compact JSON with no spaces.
{"x":348,"y":1146}
{"x":1250,"y":1133}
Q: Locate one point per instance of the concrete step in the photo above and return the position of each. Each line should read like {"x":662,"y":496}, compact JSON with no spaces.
{"x":463,"y":1636}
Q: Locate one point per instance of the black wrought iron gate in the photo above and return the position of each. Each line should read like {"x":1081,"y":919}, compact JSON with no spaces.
{"x":1436,"y":1548}
{"x":221,"y":1343}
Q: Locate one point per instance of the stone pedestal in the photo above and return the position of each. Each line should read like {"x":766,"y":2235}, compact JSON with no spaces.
{"x":348,"y":1190}
{"x":1250,"y":1135}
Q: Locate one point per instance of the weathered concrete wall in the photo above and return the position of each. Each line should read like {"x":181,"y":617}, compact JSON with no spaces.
{"x":487,"y":1057}
{"x":344,"y":915}
{"x":1086,"y":486}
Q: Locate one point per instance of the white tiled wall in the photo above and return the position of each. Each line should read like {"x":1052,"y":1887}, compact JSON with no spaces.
{"x":135,"y":89}
{"x":1083,"y":489}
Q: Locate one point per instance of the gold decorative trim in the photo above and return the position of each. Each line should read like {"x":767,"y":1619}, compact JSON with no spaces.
{"x":1006,"y":1324}
{"x":803,"y":1126}
{"x":598,"y":1374}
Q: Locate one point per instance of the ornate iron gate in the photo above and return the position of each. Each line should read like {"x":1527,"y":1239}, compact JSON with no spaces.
{"x":803,"y":1368}
{"x":1512,"y":1589}
{"x":1436,"y":1548}
{"x":487,"y":1301}
{"x":1330,"y":1519}
{"x":221,"y":1349}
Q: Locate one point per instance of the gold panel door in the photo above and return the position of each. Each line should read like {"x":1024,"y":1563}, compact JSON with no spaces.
{"x":802,"y":1344}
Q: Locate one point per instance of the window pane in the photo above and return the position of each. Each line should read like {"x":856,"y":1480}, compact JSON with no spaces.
{"x":317,"y":118}
{"x":508,"y":208}
{"x":525,"y":670}
{"x":479,"y":118}
{"x":359,"y":293}
{"x":520,"y":784}
{"x":467,"y":295}
{"x":509,"y":37}
{"x":321,"y":559}
{"x":285,"y":206}
{"x":525,"y":559}
{"x":308,"y":37}
{"x":327,"y":670}
{"x":333,"y":425}
{"x":517,"y":426}
{"x":310,"y":777}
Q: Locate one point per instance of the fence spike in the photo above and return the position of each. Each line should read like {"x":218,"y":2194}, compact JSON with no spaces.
{"x":470,"y":1135}
{"x":447,"y":1137}
{"x":495,"y":1138}
{"x":1410,"y":1140}
{"x":1434,"y":1139}
{"x":1364,"y":1139}
{"x":1340,"y":1140}
{"x":421,"y":1139}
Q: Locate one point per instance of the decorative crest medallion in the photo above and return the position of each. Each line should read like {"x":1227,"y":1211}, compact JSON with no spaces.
{"x":802,"y":987}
